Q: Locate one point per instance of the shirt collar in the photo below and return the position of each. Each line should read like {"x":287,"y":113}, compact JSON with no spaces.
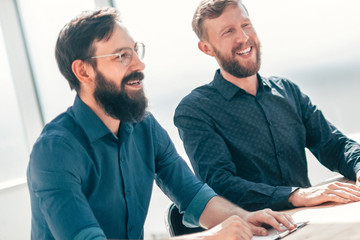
{"x":89,"y":121}
{"x":265,"y":81}
{"x":93,"y":125}
{"x":228,"y":90}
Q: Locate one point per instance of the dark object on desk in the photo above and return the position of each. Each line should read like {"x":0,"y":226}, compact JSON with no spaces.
{"x":173,"y":222}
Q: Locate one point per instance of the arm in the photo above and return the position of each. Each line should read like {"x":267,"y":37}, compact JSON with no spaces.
{"x":233,"y":228}
{"x":335,"y":151}
{"x":227,"y":221}
{"x":218,"y":209}
{"x":329,"y":145}
{"x":213,"y":163}
{"x":201,"y":207}
{"x":333,"y":192}
{"x":54,"y":180}
{"x":176,"y":180}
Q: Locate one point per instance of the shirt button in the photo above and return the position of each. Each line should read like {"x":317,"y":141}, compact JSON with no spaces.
{"x":127,"y":193}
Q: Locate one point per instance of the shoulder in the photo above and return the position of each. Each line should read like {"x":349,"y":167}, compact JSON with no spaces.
{"x":200,"y":93}
{"x":282,"y":84}
{"x":64,"y":126}
{"x":60,"y":136}
{"x":199,"y":98}
{"x":277,"y":81}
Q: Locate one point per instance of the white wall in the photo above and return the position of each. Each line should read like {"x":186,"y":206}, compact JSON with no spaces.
{"x":15,"y":213}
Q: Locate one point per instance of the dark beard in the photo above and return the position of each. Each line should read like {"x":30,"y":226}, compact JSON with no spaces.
{"x":117,"y":103}
{"x":233,"y":67}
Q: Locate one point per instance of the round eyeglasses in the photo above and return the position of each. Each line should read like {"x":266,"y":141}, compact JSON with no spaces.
{"x":126,"y":54}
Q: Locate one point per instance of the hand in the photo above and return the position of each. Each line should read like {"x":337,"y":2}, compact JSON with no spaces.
{"x":268,"y":217}
{"x":333,"y":192}
{"x":358,"y":178}
{"x":233,"y":228}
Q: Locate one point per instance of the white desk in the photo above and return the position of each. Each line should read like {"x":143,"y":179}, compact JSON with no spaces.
{"x":328,"y":221}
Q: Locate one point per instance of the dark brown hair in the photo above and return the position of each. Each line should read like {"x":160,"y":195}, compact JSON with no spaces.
{"x":76,"y":38}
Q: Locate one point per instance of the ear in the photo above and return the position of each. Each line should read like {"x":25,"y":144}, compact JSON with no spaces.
{"x":83,"y":71}
{"x":206,"y":48}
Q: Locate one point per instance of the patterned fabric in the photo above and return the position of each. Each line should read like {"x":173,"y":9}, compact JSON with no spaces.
{"x":251,"y":149}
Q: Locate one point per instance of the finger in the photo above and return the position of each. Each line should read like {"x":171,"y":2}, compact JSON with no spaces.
{"x":287,"y":221}
{"x":332,"y":197}
{"x":268,"y":217}
{"x":346,"y":195}
{"x":352,"y":186}
{"x":283,"y":220}
{"x":249,"y":233}
{"x":259,"y":231}
{"x":244,"y":230}
{"x":348,"y":191}
{"x":241,"y":227}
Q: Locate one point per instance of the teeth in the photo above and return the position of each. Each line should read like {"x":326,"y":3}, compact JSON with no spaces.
{"x":245,"y":51}
{"x":133,"y":82}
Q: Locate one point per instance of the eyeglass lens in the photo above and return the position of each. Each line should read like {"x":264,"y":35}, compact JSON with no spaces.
{"x":140,"y":50}
{"x":127,"y":53}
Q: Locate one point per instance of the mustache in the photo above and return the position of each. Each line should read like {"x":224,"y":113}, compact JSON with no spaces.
{"x":133,"y":76}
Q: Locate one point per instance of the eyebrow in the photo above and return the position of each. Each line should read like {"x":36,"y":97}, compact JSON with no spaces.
{"x":117,"y":50}
{"x":225,"y":28}
{"x":246,"y":20}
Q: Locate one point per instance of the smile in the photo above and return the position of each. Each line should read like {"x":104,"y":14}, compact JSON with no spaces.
{"x":133,"y":82}
{"x":246,"y":51}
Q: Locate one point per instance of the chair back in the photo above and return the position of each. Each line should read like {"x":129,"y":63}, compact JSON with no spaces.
{"x":173,"y":222}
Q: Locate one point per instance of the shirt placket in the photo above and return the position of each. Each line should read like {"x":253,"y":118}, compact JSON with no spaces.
{"x":124,"y":171}
{"x":270,"y":124}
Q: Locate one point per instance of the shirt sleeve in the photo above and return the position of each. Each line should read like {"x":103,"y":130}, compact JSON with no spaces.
{"x":213,"y":164}
{"x":54,"y":179}
{"x":197,"y":206}
{"x":328,"y":144}
{"x":90,"y":234}
{"x":177,"y":181}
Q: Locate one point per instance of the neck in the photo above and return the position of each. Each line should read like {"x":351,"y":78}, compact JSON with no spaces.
{"x":249,"y":84}
{"x":111,"y":123}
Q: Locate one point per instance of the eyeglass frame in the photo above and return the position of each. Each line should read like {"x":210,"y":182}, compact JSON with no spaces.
{"x":132,"y":50}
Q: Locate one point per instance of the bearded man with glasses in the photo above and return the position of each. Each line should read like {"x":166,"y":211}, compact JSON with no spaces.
{"x":91,"y":171}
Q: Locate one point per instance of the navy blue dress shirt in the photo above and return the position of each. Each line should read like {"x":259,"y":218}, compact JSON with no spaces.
{"x":87,"y":183}
{"x":251,"y":149}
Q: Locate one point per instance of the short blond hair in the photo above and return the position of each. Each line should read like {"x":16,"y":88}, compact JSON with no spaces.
{"x":209,"y":9}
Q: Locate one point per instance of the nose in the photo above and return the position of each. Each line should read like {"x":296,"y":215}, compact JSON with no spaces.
{"x":242,"y":36}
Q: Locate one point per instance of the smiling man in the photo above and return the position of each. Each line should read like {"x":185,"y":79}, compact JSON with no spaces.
{"x":91,"y":171}
{"x":246,"y":134}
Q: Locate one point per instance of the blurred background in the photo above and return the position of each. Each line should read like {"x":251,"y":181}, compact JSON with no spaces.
{"x":313,"y":43}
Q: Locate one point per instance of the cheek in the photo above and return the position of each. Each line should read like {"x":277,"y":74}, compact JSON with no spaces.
{"x":114,"y":74}
{"x":226,"y":49}
{"x":254,"y":37}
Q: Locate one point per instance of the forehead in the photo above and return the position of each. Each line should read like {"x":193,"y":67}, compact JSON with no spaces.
{"x":232,"y":14}
{"x":119,"y":38}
